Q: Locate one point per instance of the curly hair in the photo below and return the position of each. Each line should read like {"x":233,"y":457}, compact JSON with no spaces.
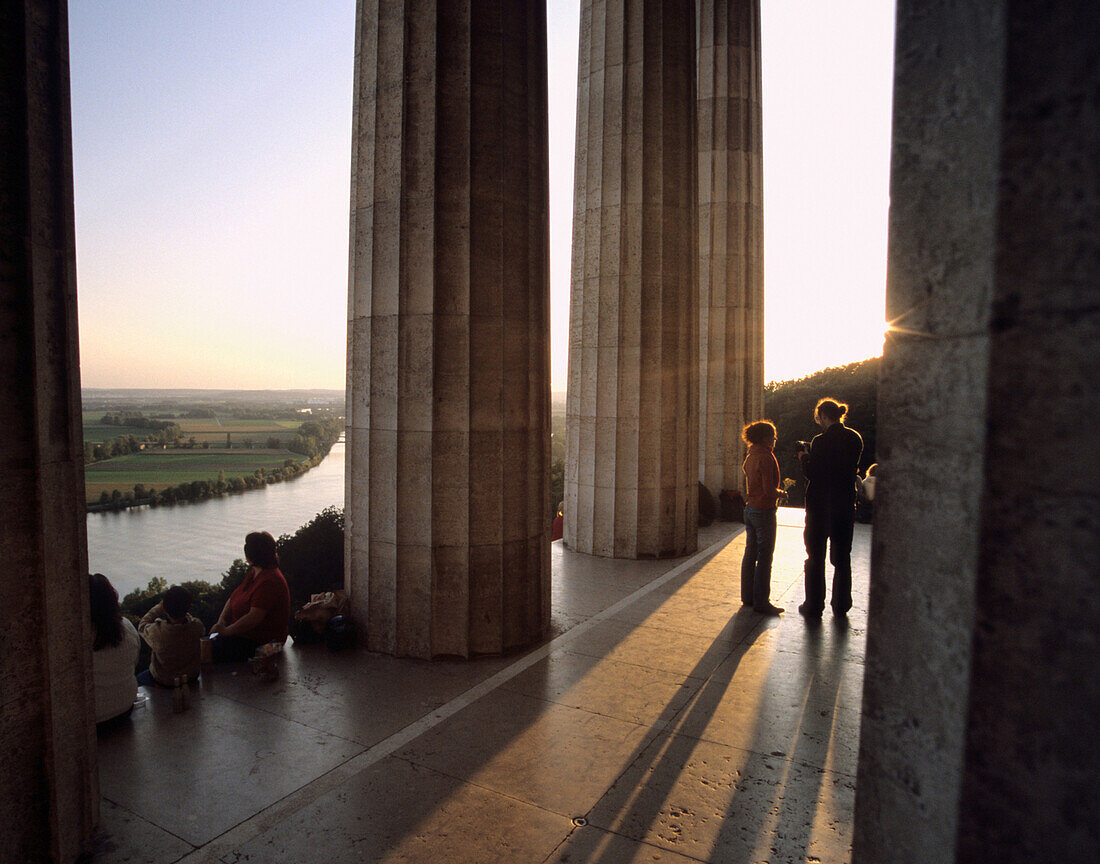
{"x":759,"y":432}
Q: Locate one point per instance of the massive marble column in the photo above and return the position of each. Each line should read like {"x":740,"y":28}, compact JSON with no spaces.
{"x":981,"y":700}
{"x":731,"y":236}
{"x":448,"y":333}
{"x":49,"y":799}
{"x":632,"y":429}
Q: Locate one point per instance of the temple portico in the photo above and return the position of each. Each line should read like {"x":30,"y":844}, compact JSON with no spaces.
{"x":977,"y":723}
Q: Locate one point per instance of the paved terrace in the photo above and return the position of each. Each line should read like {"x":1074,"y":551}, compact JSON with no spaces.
{"x":662,"y":722}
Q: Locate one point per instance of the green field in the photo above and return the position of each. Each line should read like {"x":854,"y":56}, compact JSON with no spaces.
{"x":234,"y":424}
{"x":205,"y":430}
{"x":161,"y":469}
{"x":98,"y":434}
{"x":240,"y":430}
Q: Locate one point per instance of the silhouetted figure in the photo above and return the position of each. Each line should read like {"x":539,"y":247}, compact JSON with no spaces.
{"x":762,"y":498}
{"x":258,"y":610}
{"x":830,"y":464}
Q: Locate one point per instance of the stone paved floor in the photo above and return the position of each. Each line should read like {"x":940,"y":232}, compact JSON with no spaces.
{"x":662,"y":722}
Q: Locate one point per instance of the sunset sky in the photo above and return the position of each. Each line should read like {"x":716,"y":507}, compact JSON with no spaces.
{"x":212,"y":156}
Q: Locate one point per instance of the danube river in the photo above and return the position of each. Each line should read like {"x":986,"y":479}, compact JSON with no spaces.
{"x":200,"y":541}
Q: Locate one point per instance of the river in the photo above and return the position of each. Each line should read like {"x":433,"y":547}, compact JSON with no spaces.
{"x":200,"y":540}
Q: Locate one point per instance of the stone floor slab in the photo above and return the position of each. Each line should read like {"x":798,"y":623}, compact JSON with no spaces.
{"x":756,"y":718}
{"x":628,"y":692}
{"x":549,"y":755}
{"x":400,"y":812}
{"x":825,"y":680}
{"x":713,"y":802}
{"x":199,"y":773}
{"x":356,"y":695}
{"x":718,"y":576}
{"x":827,"y":639}
{"x":708,"y":617}
{"x":589,"y":845}
{"x":657,"y":648}
{"x":124,"y":838}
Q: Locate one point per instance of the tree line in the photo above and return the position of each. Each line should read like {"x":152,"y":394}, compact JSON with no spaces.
{"x":135,"y":419}
{"x":168,"y":434}
{"x":316,"y":437}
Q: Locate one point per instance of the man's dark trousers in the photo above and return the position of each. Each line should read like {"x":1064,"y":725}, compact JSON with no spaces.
{"x":833,"y":526}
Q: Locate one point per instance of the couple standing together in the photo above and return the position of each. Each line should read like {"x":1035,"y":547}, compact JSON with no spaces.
{"x":830,"y":465}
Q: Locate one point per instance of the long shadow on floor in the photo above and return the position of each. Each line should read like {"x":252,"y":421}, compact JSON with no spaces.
{"x":794,"y":798}
{"x":635,"y":803}
{"x":758,"y":765}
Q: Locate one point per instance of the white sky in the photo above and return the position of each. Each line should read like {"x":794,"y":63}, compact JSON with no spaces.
{"x":212,"y":158}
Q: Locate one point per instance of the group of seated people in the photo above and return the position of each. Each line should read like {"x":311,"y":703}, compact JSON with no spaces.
{"x":256,"y":613}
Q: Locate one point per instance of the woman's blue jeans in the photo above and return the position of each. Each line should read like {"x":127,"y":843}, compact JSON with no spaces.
{"x":756,"y":566}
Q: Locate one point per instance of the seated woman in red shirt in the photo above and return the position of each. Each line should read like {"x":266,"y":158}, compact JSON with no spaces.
{"x":258,"y":610}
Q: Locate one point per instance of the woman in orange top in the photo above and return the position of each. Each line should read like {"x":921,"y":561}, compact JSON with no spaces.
{"x":258,"y":610}
{"x":761,"y":499}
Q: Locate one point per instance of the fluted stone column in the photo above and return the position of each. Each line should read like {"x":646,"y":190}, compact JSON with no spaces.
{"x":49,"y":798}
{"x":978,"y":739}
{"x":448,"y":336}
{"x":731,"y":237}
{"x":632,"y":408}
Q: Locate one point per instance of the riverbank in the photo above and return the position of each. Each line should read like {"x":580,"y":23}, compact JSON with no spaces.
{"x":140,"y":479}
{"x":200,"y":540}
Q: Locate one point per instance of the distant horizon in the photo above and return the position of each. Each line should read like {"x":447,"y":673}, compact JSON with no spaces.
{"x":553,"y":391}
{"x":215,"y":389}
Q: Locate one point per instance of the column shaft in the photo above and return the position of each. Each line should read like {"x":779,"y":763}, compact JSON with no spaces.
{"x":632,"y":406}
{"x":448,"y":341}
{"x":49,"y":797}
{"x":978,"y":735}
{"x":931,"y":430}
{"x":1029,"y":790}
{"x":731,"y":236}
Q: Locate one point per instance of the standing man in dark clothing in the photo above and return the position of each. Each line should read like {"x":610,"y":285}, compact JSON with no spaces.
{"x":830,"y":465}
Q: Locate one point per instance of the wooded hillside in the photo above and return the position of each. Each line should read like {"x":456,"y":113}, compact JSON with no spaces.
{"x":790,"y":406}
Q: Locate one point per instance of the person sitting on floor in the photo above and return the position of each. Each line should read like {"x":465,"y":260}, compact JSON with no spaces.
{"x":173,"y":634}
{"x":865,"y":495}
{"x":115,"y":648}
{"x":258,"y":610}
